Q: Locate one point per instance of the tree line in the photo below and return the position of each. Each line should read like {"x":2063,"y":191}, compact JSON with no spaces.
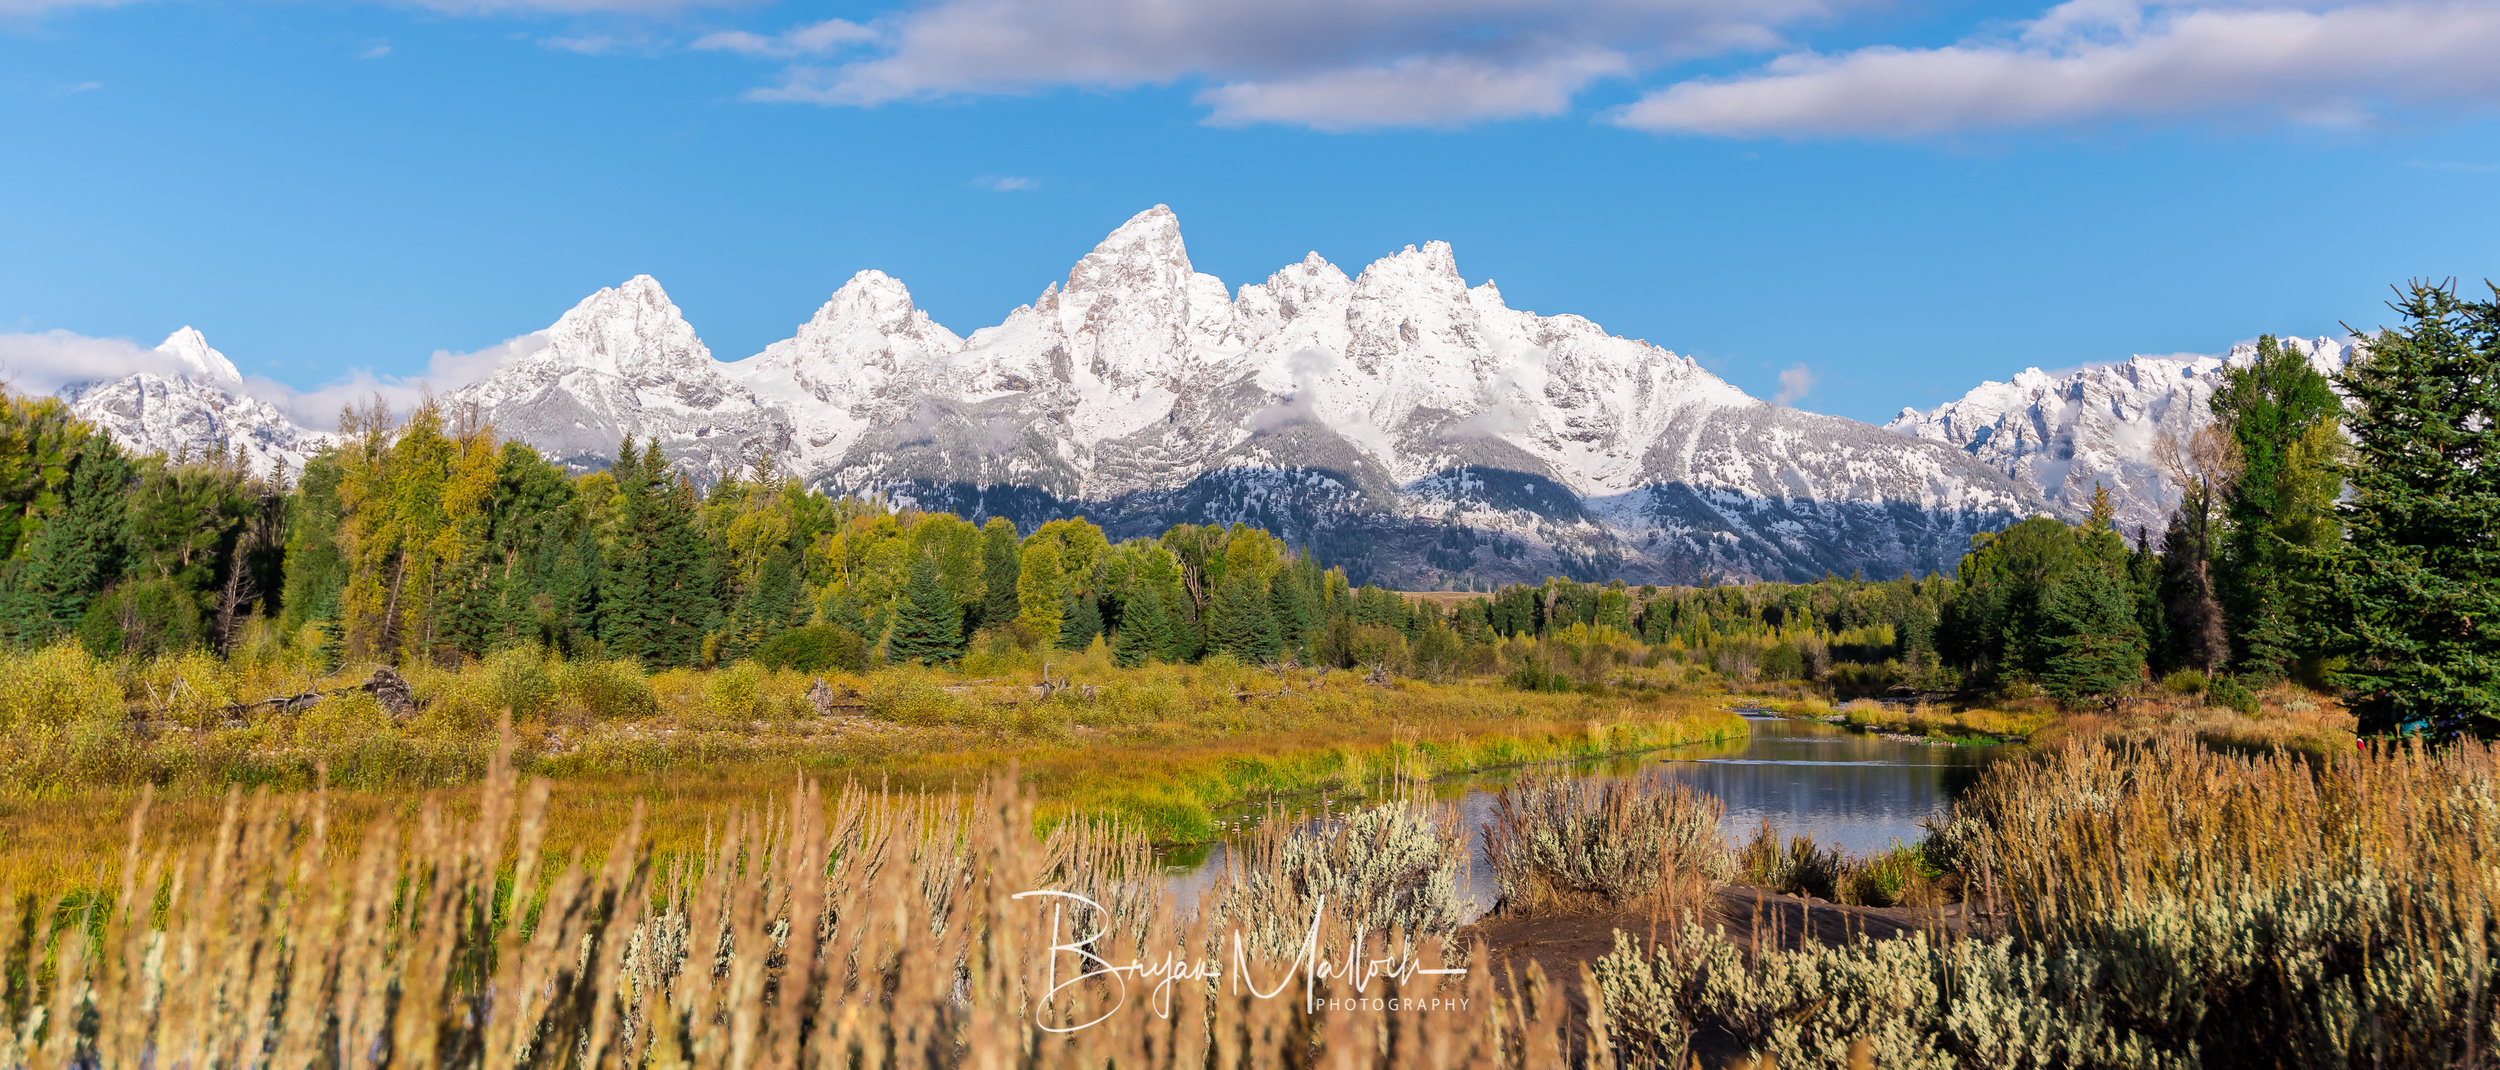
{"x":2338,"y":530}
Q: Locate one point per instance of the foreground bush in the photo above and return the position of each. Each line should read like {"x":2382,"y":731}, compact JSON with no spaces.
{"x":2167,"y":907}
{"x":1562,"y":844}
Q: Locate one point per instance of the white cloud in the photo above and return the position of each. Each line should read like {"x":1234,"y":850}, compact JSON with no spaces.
{"x":43,"y":363}
{"x":1324,"y":63}
{"x":1416,"y":91}
{"x":318,"y":408}
{"x":1007,"y":183}
{"x":1796,"y":382}
{"x":2104,"y":60}
{"x":591,"y":44}
{"x":813,"y":39}
{"x":376,"y":52}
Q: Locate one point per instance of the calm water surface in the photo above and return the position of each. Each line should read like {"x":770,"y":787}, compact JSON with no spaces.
{"x":1861,"y":792}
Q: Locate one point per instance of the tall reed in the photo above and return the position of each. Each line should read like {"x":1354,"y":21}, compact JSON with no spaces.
{"x":855,"y":928}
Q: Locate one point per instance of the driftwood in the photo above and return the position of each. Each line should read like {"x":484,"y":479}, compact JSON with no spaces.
{"x":1049,"y":686}
{"x":387,"y":687}
{"x":827,"y":700}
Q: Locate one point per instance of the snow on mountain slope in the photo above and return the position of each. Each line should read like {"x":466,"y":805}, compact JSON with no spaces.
{"x":2061,"y":434}
{"x":1400,"y":420}
{"x":198,"y":411}
{"x":624,"y":362}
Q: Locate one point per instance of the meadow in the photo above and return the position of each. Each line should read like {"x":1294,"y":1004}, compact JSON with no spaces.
{"x":1165,"y":749}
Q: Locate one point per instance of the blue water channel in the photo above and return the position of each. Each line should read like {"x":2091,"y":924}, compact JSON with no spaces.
{"x":1861,"y":791}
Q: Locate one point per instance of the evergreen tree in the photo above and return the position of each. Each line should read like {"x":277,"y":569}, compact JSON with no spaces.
{"x":928,"y":627}
{"x":1145,"y":630}
{"x":2282,"y":416}
{"x":77,"y":551}
{"x":2094,"y":647}
{"x":1001,"y":565}
{"x":2416,"y":599}
{"x":661,"y":582}
{"x":1080,"y":620}
{"x":1238,"y":622}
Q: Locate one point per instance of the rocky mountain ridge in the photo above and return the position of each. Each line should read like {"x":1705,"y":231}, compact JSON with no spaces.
{"x":1401,"y":421}
{"x":2064,"y":433}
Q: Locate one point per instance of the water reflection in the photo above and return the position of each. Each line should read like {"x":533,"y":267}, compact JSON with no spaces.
{"x":1861,"y":792}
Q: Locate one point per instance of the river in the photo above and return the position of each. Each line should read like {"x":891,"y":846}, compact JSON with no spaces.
{"x":1860,"y":791}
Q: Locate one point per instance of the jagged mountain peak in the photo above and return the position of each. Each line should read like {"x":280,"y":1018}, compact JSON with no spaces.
{"x":2067,"y":432}
{"x":878,"y":303}
{"x":197,"y":359}
{"x":631,"y":330}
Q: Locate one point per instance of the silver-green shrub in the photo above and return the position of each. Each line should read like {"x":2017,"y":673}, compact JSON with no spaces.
{"x":1564,"y":844}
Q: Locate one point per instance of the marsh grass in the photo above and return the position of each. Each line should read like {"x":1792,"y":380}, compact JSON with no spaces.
{"x":855,"y":928}
{"x":2140,"y":904}
{"x":1163,"y":747}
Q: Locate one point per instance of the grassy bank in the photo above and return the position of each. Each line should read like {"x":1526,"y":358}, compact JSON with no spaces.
{"x":1160,"y":748}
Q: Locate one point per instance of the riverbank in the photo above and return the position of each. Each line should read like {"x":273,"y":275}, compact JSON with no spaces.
{"x":1162,"y":750}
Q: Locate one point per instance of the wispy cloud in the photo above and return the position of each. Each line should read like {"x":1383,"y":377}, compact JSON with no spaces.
{"x":813,"y":39}
{"x":44,"y":362}
{"x":594,"y":44}
{"x":1007,"y":183}
{"x":2337,"y":64}
{"x":1332,"y":64}
{"x":2466,"y":166}
{"x":75,"y":88}
{"x":376,"y":52}
{"x":1796,"y":382}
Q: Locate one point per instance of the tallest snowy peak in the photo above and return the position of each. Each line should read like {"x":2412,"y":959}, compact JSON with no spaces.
{"x":1155,"y":228}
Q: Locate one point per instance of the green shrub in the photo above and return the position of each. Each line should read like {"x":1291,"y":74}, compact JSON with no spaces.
{"x":56,"y":686}
{"x":1797,"y":867}
{"x":1389,"y":867}
{"x":2185,"y":682}
{"x":1898,"y":877}
{"x":515,"y":680}
{"x":2230,"y":694}
{"x":609,"y":690}
{"x":816,"y":648}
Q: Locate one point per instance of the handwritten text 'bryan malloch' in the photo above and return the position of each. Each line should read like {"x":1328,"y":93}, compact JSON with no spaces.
{"x":1173,"y":969}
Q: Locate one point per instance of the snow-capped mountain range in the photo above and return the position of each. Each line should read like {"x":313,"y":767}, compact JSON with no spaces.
{"x":2064,"y":434}
{"x":1400,"y":422}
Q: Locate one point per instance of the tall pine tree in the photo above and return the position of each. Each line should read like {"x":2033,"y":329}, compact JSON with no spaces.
{"x":928,"y":626}
{"x":1001,"y":564}
{"x":2416,"y":604}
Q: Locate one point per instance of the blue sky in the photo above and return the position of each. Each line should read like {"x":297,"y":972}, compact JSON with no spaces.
{"x":1901,"y":199}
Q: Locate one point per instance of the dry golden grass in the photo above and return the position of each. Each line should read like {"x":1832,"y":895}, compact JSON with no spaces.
{"x":1164,"y":747}
{"x":856,"y":929}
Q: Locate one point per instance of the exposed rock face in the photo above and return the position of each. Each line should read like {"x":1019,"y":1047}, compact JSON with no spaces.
{"x":2062,"y":434}
{"x":197,"y":410}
